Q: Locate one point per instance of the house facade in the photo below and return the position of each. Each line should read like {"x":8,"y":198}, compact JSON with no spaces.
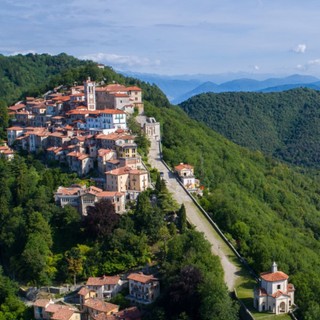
{"x":152,"y":128}
{"x":186,"y":175}
{"x":143,"y":289}
{"x":126,"y":179}
{"x":93,"y":307}
{"x":82,"y":197}
{"x":106,"y":286}
{"x":274,"y":293}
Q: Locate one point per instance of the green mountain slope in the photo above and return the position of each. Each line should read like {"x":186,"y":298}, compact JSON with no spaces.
{"x":282,"y":124}
{"x":42,"y":244}
{"x":35,"y":73}
{"x":272,"y":211}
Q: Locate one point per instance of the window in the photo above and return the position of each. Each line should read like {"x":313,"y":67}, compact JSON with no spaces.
{"x":279,"y":286}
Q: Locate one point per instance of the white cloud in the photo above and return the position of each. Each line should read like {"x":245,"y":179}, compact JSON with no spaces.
{"x":309,"y":65}
{"x":121,"y":61}
{"x":256,"y":68}
{"x":315,"y":62}
{"x":300,"y":48}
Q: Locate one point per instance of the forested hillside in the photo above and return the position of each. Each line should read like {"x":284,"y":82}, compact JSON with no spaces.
{"x":34,"y":74}
{"x":282,"y":124}
{"x":271,"y":211}
{"x":43,"y":244}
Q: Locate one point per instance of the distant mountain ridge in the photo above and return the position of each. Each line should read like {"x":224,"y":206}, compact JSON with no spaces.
{"x":179,"y":88}
{"x":251,"y":85}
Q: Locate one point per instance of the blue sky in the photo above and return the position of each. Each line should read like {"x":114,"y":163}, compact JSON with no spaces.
{"x":170,"y":37}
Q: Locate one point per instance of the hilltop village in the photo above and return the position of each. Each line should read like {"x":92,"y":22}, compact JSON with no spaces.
{"x":85,"y":129}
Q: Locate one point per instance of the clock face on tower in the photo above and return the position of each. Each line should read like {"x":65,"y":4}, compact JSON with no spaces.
{"x":91,"y":96}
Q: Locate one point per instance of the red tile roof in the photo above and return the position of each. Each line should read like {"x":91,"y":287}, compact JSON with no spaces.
{"x":132,"y":313}
{"x":99,"y":305}
{"x":63,"y":314}
{"x":274,"y":276}
{"x":103,"y":152}
{"x":140,"y":277}
{"x":133,"y":88}
{"x":119,"y":171}
{"x":115,"y":87}
{"x":109,"y":194}
{"x":83,"y":291}
{"x":68,"y":191}
{"x":279,"y":293}
{"x":136,"y":171}
{"x":52,"y":308}
{"x":182,"y":166}
{"x":61,"y":98}
{"x":101,"y":281}
{"x":94,"y":189}
{"x":17,"y":107}
{"x":16,"y":128}
{"x":79,"y":155}
{"x":120,"y":95}
{"x":41,"y":303}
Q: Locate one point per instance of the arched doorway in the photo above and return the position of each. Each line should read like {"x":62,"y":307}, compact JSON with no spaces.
{"x":282,"y":307}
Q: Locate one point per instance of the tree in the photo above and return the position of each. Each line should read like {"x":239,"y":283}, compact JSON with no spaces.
{"x":4,"y":119}
{"x":182,"y":219}
{"x":101,"y":219}
{"x":75,"y":262}
{"x":33,"y":263}
{"x":148,"y":219}
{"x":184,"y":294}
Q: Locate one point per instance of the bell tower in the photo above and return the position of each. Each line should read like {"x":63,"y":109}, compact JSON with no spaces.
{"x":90,"y":94}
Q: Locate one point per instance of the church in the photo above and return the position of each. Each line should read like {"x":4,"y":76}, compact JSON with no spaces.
{"x":274,"y":293}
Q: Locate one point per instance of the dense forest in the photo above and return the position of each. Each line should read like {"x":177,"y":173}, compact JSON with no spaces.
{"x":269,"y":210}
{"x":281,"y":124}
{"x":43,"y":244}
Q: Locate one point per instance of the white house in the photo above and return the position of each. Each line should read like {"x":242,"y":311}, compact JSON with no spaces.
{"x":186,"y":175}
{"x":106,"y":121}
{"x":274,"y":293}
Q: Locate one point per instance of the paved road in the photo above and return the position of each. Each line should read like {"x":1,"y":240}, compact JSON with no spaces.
{"x":194,"y":216}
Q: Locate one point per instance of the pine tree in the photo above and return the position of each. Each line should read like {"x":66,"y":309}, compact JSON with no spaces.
{"x":182,"y":219}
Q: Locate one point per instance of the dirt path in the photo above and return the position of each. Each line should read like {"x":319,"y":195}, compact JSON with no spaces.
{"x":195,"y":217}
